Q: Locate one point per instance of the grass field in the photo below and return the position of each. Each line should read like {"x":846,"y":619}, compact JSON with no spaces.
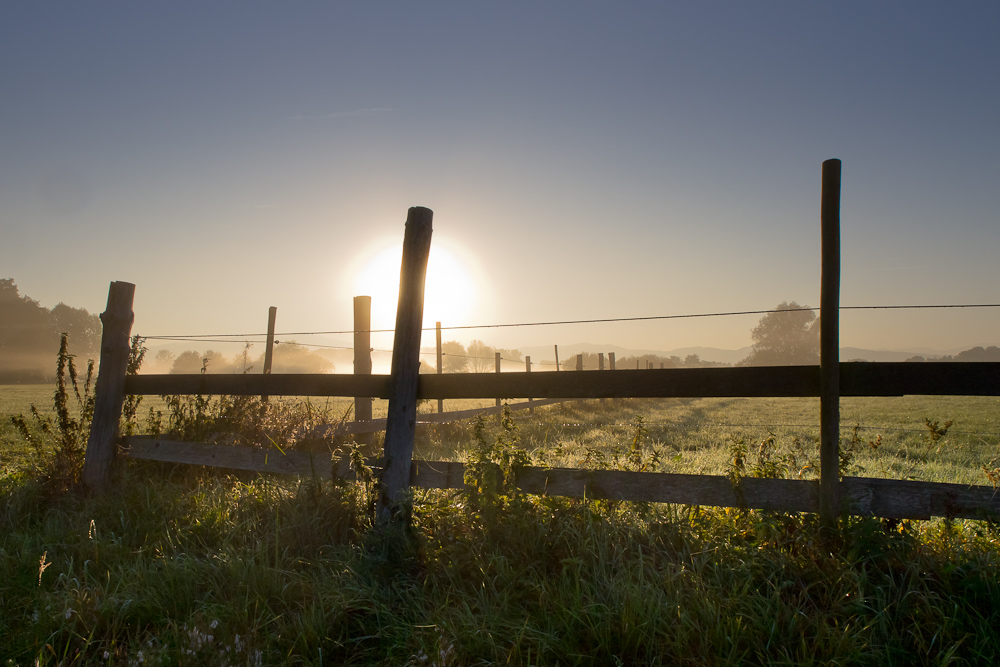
{"x":181,"y":566}
{"x":890,"y":435}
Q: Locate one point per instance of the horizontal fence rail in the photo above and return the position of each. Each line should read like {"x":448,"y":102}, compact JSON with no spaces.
{"x":856,"y":379}
{"x":888,"y":498}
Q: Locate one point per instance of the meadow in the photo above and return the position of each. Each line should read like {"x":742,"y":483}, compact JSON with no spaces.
{"x":188,"y":566}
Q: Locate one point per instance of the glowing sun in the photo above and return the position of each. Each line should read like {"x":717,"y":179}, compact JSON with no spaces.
{"x":451,"y":291}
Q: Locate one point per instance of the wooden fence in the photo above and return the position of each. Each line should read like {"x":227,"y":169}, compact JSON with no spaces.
{"x":831,"y":496}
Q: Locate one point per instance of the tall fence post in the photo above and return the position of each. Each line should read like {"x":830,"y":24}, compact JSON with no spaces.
{"x":440,"y":360}
{"x":557,"y":357}
{"x":272,"y":316}
{"x":829,"y":346}
{"x":401,"y":420}
{"x":611,"y":360}
{"x":363,"y":359}
{"x":109,"y":395}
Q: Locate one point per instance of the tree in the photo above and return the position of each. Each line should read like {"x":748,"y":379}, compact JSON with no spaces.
{"x":481,"y":357}
{"x":786,"y":336}
{"x":453,"y":357}
{"x":163,"y":360}
{"x":188,"y":362}
{"x":289,"y":357}
{"x":83,"y":328}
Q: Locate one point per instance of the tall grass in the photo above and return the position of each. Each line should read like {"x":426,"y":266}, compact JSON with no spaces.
{"x":179,"y":565}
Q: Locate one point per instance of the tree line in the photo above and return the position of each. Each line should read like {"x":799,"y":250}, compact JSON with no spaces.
{"x":287,"y":357}
{"x":30,"y":334}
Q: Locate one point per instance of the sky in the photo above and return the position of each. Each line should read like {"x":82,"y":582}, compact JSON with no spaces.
{"x":583,"y":161}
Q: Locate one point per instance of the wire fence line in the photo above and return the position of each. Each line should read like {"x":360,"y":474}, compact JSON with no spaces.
{"x":214,"y":337}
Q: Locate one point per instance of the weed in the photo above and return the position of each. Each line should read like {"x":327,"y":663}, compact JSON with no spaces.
{"x":60,"y":443}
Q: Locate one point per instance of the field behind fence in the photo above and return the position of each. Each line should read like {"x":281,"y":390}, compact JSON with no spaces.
{"x":830,"y":496}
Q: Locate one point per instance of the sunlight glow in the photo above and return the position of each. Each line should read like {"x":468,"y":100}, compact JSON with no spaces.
{"x":452,"y":294}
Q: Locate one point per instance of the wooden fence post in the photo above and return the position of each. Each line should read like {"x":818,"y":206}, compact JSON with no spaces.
{"x":579,"y":362}
{"x":272,"y":316}
{"x":527,"y":369}
{"x":829,"y":346}
{"x":557,"y":357}
{"x":440,"y":360}
{"x":363,"y":359}
{"x":496,"y":361}
{"x":611,"y":360}
{"x":109,"y":395}
{"x":600,"y":361}
{"x":401,"y":420}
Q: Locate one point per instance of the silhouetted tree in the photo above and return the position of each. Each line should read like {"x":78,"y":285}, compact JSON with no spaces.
{"x":83,"y":328}
{"x":786,"y":336}
{"x":453,"y":358}
{"x":481,"y":357}
{"x":188,"y":362}
{"x":30,"y":334}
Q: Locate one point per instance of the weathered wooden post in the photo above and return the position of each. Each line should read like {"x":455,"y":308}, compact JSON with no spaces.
{"x":600,"y":361}
{"x":611,"y":360}
{"x":557,"y":357}
{"x":272,"y":316}
{"x":496,"y":361}
{"x":440,"y":361}
{"x":829,"y":346}
{"x":579,"y":362}
{"x":527,"y":369}
{"x":363,"y":359}
{"x":109,"y":395}
{"x":401,"y":421}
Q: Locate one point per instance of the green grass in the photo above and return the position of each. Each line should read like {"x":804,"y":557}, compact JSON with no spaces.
{"x":695,"y":435}
{"x":181,"y":566}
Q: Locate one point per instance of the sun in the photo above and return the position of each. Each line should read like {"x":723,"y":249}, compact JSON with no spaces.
{"x":452,"y":292}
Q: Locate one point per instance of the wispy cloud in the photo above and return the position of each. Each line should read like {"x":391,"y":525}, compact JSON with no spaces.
{"x":356,"y":113}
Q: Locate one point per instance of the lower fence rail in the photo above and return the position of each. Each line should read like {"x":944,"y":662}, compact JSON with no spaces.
{"x":863,"y":496}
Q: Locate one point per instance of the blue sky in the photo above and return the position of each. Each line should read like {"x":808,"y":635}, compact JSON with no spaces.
{"x":584,"y":160}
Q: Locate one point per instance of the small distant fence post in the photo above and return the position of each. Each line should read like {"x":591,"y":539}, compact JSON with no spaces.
{"x":401,"y":420}
{"x":496,"y":361}
{"x":440,"y":360}
{"x":527,"y":369}
{"x":116,"y":323}
{"x":272,"y":316}
{"x":829,"y":346}
{"x":611,"y":360}
{"x":363,"y":359}
{"x":579,"y":362}
{"x":557,"y":357}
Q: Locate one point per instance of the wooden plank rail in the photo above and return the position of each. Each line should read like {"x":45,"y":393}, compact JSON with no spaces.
{"x":889,"y":498}
{"x":856,"y":379}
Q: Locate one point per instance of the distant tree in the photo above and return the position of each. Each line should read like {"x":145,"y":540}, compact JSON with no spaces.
{"x":481,"y":357}
{"x":692,"y":360}
{"x":188,"y":362}
{"x":24,"y":324}
{"x":453,"y":359}
{"x":786,"y":336}
{"x":991,"y":353}
{"x":163,"y":361}
{"x":83,"y":328}
{"x":290,"y":357}
{"x":510,"y":355}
